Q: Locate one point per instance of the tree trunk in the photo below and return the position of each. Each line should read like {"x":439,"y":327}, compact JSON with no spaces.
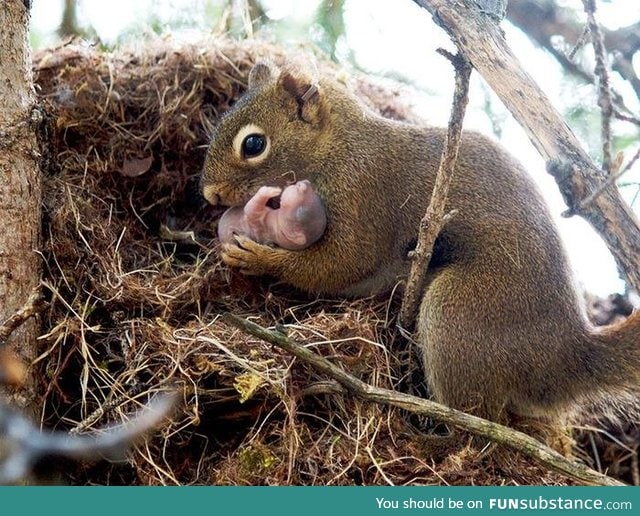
{"x":480,"y":39}
{"x":69,"y":25}
{"x":19,"y":179}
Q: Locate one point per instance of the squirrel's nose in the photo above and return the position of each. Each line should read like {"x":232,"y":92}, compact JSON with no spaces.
{"x":209,"y":192}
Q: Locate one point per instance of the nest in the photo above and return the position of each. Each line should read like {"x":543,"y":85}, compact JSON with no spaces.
{"x":136,"y":287}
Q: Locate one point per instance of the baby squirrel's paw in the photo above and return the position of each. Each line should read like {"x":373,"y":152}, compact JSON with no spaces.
{"x":251,"y":257}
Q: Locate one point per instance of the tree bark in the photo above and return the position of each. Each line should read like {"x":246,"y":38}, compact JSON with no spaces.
{"x":482,"y":41}
{"x":19,"y":180}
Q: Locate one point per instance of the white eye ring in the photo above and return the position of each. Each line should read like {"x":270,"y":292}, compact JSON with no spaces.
{"x":239,"y":138}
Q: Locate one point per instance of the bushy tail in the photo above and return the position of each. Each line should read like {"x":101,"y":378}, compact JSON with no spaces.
{"x":612,"y":360}
{"x":624,"y":337}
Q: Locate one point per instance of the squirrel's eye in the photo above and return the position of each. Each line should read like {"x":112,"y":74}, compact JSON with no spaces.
{"x":253,"y":145}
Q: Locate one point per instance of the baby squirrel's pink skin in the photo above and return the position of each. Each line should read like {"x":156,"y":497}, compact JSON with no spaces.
{"x":296,"y":224}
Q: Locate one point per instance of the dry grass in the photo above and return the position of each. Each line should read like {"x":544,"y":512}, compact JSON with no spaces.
{"x":136,"y":286}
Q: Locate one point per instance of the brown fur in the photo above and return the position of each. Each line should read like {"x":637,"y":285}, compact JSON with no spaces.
{"x":501,"y":325}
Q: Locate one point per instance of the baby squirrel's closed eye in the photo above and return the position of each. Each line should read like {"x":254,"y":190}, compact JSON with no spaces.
{"x":274,"y":202}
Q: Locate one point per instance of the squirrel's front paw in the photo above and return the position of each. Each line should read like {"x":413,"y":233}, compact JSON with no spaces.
{"x":251,"y":257}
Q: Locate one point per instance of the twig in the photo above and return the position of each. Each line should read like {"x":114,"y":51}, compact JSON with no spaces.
{"x":482,"y":427}
{"x":95,"y":416}
{"x":32,"y":306}
{"x":541,"y":21}
{"x":604,"y":91}
{"x":484,"y":44}
{"x":626,"y":118}
{"x":579,"y":43}
{"x":615,"y":175}
{"x":596,"y":455}
{"x":435,"y":217}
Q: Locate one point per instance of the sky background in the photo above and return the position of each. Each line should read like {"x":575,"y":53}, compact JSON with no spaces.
{"x":400,"y":42}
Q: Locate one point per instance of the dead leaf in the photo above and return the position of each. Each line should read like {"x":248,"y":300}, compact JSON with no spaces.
{"x":136,"y":167}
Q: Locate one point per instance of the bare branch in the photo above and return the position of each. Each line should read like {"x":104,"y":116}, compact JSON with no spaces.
{"x":544,"y":20}
{"x":435,"y":217}
{"x":481,"y":40}
{"x":482,"y":427}
{"x":604,"y":91}
{"x":616,"y":173}
{"x":32,"y":306}
{"x":578,"y":44}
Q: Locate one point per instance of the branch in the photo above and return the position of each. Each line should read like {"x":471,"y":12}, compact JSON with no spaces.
{"x":501,"y":434}
{"x":435,"y":217}
{"x":542,"y":20}
{"x":483,"y":43}
{"x":604,"y":91}
{"x":31,"y":307}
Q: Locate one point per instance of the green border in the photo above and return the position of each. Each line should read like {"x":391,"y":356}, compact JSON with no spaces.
{"x":312,"y":501}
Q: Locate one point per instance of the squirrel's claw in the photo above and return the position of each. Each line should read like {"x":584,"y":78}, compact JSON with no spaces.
{"x":250,"y":257}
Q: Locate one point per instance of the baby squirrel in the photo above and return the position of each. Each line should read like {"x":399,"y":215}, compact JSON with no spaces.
{"x":501,"y":325}
{"x":295,"y":224}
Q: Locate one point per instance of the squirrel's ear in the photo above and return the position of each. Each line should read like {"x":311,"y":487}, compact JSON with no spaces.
{"x":306,"y":93}
{"x":262,"y":73}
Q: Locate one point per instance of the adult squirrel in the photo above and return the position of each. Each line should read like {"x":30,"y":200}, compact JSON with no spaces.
{"x":501,"y":325}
